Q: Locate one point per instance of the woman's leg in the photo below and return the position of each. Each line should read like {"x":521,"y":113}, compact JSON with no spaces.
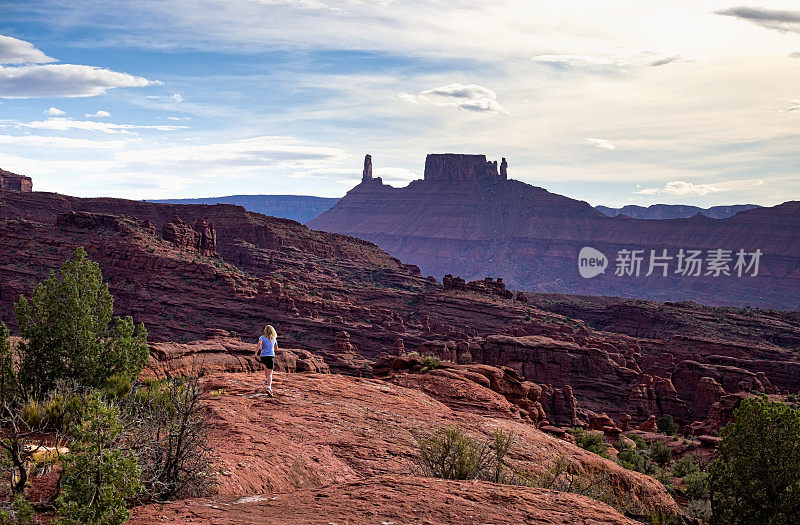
{"x":269,"y":378}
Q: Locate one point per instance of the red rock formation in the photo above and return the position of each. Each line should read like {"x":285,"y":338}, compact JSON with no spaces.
{"x":464,"y":219}
{"x":449,"y":167}
{"x":589,"y":355}
{"x":649,"y":425}
{"x":12,"y":181}
{"x":345,"y":450}
{"x":201,"y":239}
{"x":366,"y":175}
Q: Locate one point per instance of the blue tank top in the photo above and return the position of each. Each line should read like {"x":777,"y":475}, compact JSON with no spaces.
{"x":267,"y":346}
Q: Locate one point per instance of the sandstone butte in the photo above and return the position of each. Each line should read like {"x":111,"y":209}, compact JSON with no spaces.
{"x":465,"y":218}
{"x":205,"y":279}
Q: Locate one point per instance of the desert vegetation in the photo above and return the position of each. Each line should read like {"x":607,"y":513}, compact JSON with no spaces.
{"x":72,"y":405}
{"x":755,"y":478}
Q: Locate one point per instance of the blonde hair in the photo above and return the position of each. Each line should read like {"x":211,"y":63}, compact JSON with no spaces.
{"x":270,"y":333}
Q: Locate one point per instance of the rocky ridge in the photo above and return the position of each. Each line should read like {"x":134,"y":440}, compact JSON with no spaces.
{"x":347,"y":301}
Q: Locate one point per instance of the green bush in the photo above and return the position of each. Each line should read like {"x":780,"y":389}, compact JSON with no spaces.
{"x":666,"y":425}
{"x":593,"y":441}
{"x":69,"y":332}
{"x":660,"y":453}
{"x":665,"y":477}
{"x":20,"y":513}
{"x":8,"y":384}
{"x":98,"y":476}
{"x":639,"y":441}
{"x":622,"y":445}
{"x":166,"y":427}
{"x":685,"y":465}
{"x":430,"y":362}
{"x":451,"y":454}
{"x":756,"y":477}
{"x":695,"y":485}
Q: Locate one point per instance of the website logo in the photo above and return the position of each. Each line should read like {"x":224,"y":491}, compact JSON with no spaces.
{"x":591,"y":262}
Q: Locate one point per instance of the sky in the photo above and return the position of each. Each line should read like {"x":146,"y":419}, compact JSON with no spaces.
{"x":616,"y":102}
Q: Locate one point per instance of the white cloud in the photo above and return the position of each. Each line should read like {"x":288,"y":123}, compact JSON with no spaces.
{"x":64,"y":124}
{"x":678,"y":188}
{"x":470,"y":97}
{"x":255,"y":153}
{"x":99,"y":114}
{"x":54,"y":112}
{"x":15,"y":51}
{"x":62,"y":80}
{"x":620,"y":59}
{"x":62,"y":142}
{"x":175,"y":97}
{"x":601,"y":143}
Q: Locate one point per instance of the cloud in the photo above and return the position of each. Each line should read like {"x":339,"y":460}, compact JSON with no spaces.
{"x":620,"y":60}
{"x":253,"y":153}
{"x":601,"y":143}
{"x":62,"y":80}
{"x":100,"y":114}
{"x":775,"y":19}
{"x":679,"y":188}
{"x":26,"y":72}
{"x":470,"y":97}
{"x":62,"y":142}
{"x":64,"y":124}
{"x":54,"y":112}
{"x":175,"y":97}
{"x":14,"y":51}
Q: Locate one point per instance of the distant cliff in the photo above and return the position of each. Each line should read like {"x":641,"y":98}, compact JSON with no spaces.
{"x":300,"y":208}
{"x":464,"y":220}
{"x":675,"y":211}
{"x":12,"y":181}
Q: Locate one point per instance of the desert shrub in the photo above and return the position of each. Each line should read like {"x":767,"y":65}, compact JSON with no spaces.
{"x":593,"y":441}
{"x":430,"y":362}
{"x":98,"y":475}
{"x":622,"y":444}
{"x":660,"y":453}
{"x":639,"y":441}
{"x":756,"y":477}
{"x":637,"y":458}
{"x":664,"y":476}
{"x":700,"y":509}
{"x":451,"y":454}
{"x":685,"y":465}
{"x":695,"y":485}
{"x":501,"y":444}
{"x":8,"y":384}
{"x":666,"y":425}
{"x":566,"y":476}
{"x":20,"y":513}
{"x":167,"y":429}
{"x":69,"y":332}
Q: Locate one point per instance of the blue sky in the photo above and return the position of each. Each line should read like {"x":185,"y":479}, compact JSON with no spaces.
{"x":619,"y":102}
